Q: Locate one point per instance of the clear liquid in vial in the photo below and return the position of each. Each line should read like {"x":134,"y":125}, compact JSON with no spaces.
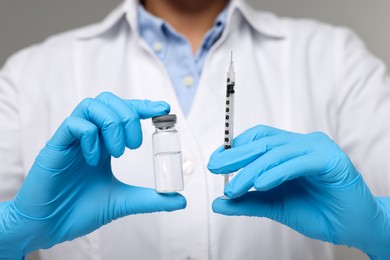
{"x":168,"y":172}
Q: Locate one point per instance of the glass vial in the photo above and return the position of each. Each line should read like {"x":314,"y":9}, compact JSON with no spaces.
{"x":168,"y":173}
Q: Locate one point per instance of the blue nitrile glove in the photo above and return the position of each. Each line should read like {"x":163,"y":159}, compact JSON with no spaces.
{"x":304,"y":181}
{"x":70,"y":190}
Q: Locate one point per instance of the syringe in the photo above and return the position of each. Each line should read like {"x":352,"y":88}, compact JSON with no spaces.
{"x":229,"y":110}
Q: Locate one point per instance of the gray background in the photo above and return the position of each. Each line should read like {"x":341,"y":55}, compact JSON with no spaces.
{"x":23,"y":23}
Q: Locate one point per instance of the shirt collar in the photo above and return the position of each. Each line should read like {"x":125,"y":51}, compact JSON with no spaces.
{"x":263,"y":22}
{"x":153,"y":29}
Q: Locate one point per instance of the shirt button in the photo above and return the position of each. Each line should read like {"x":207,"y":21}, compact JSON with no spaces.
{"x":188,"y":81}
{"x":157,"y":47}
{"x":188,"y":167}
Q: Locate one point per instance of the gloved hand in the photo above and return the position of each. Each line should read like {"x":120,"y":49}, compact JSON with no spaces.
{"x":304,"y":181}
{"x":70,"y":190}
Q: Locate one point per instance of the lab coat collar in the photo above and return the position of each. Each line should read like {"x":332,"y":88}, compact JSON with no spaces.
{"x":263,"y":22}
{"x":127,"y":9}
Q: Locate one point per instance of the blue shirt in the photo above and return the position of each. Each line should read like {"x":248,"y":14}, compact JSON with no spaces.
{"x":175,"y":52}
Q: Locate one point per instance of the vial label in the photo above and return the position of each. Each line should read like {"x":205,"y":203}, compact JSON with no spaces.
{"x":168,"y":171}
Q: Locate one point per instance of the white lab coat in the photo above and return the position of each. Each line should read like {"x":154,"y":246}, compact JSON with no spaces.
{"x":297,"y":75}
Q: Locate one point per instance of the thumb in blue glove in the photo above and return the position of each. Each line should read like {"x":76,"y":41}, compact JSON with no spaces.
{"x":304,"y":181}
{"x":70,"y":190}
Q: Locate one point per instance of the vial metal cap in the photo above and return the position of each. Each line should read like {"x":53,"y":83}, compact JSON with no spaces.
{"x":164,"y":121}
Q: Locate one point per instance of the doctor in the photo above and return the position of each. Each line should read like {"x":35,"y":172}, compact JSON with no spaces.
{"x":301,"y":76}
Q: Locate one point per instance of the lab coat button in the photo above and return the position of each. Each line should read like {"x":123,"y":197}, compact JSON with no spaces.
{"x":188,"y":167}
{"x":157,"y":47}
{"x":188,"y":81}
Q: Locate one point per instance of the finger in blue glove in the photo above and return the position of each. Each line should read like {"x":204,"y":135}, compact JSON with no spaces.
{"x":70,"y":190}
{"x":304,"y":181}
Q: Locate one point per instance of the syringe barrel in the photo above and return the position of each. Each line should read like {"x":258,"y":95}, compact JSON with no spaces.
{"x":229,"y":114}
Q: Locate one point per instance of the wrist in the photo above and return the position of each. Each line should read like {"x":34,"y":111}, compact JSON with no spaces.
{"x":10,"y":247}
{"x":381,"y":248}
